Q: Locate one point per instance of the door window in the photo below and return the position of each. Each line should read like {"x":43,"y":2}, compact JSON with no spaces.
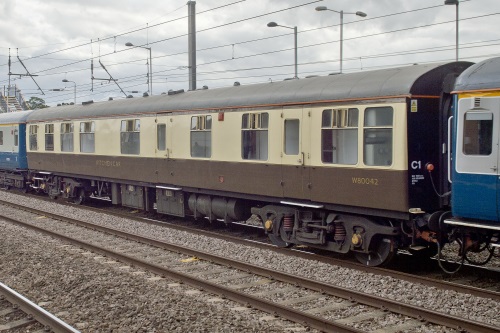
{"x":161,"y":137}
{"x":478,"y":133}
{"x":292,"y":130}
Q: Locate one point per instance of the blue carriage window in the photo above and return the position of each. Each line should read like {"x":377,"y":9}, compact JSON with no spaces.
{"x":478,"y":133}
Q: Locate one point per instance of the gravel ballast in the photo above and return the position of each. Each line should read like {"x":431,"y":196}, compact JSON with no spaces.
{"x":82,"y":287}
{"x":100,"y":296}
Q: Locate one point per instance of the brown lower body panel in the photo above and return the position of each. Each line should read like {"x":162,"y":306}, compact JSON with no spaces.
{"x":367,"y":188}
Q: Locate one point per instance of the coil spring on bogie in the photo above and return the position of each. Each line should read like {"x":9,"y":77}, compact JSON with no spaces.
{"x":340,"y":232}
{"x":288,"y":223}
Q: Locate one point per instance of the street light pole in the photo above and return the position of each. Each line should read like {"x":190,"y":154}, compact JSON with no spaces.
{"x":361,"y":14}
{"x":274,"y":24}
{"x":74,"y":89}
{"x":150,"y":86}
{"x":454,"y":2}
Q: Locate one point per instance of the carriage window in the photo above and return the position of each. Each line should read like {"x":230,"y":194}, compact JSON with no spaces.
{"x":254,"y":136}
{"x":339,"y":136}
{"x":49,"y":137}
{"x":16,"y":137}
{"x":33,"y":137}
{"x":87,"y":139}
{"x":292,"y":134}
{"x":67,"y":137}
{"x":1,"y":138}
{"x":161,"y":137}
{"x":201,"y":136}
{"x":378,"y":136}
{"x":478,"y":133}
{"x":130,"y":136}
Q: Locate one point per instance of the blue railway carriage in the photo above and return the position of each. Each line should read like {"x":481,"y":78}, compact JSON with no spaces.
{"x":476,"y":174}
{"x":13,"y":161}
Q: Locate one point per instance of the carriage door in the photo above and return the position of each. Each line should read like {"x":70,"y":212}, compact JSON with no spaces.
{"x":477,"y":159}
{"x":293,"y":155}
{"x":162,"y":147}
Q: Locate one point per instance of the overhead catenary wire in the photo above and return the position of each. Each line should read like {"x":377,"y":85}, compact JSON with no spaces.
{"x":174,"y":70}
{"x":381,"y":55}
{"x":304,"y":46}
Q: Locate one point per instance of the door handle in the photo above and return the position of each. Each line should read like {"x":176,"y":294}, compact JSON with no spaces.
{"x":301,"y":159}
{"x":494,"y":168}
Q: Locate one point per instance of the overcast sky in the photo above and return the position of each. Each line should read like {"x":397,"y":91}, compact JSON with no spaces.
{"x":56,"y":40}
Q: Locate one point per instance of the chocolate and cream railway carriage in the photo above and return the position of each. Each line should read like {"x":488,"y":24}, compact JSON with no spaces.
{"x":335,"y":162}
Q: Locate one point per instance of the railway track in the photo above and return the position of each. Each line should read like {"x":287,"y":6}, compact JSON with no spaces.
{"x":464,"y":282}
{"x":274,"y":292}
{"x":18,"y":313}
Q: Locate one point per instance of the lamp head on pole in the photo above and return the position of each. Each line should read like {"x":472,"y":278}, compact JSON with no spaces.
{"x":65,"y":80}
{"x":321,"y":8}
{"x":361,"y":14}
{"x":272,"y":24}
{"x":451,"y":2}
{"x":129,"y":44}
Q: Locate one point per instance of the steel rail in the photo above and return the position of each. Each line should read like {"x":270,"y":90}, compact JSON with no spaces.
{"x":363,"y":298}
{"x":446,"y":285}
{"x":40,"y":314}
{"x":301,"y":254}
{"x":267,"y":306}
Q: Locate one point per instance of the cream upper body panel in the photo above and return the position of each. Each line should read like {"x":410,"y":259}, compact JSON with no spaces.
{"x":239,"y":136}
{"x":226,"y":136}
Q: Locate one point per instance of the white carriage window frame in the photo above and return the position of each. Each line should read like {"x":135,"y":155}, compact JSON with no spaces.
{"x":378,"y":136}
{"x":87,"y":137}
{"x":67,"y":137}
{"x":339,"y":136}
{"x":33,"y":137}
{"x":201,"y":136}
{"x":255,"y":136}
{"x":130,"y":137}
{"x":49,"y":137}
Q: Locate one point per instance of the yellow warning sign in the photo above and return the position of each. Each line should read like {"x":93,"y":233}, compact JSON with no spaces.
{"x":414,"y":106}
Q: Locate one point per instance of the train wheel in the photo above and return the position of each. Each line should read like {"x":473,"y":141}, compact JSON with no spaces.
{"x":80,"y":198}
{"x":382,"y":253}
{"x":278,"y":239}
